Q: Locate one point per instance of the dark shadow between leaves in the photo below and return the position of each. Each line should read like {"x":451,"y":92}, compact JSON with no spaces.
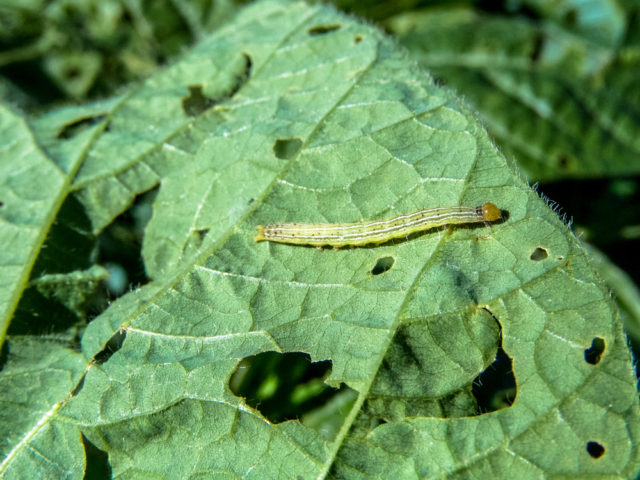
{"x":69,"y":247}
{"x":120,"y":246}
{"x":69,"y":244}
{"x":98,"y":467}
{"x":4,"y":354}
{"x":40,"y":315}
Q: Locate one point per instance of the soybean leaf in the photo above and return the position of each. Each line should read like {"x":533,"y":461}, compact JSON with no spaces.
{"x":298,"y":113}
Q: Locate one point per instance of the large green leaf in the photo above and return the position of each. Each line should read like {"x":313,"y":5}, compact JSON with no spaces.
{"x":298,"y":113}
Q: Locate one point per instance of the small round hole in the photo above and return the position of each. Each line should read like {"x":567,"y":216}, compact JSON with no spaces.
{"x":382,"y":265}
{"x":595,"y":449}
{"x":286,"y":148}
{"x":593,"y":354}
{"x":539,"y":254}
{"x":357,"y":38}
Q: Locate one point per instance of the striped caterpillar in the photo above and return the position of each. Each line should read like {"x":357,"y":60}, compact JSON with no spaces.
{"x":375,"y":231}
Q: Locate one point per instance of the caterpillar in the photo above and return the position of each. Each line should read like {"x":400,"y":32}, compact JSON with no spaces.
{"x":375,"y":231}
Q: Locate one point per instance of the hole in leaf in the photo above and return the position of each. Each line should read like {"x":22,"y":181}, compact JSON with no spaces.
{"x":196,"y":102}
{"x":98,"y":467}
{"x":323,"y":29}
{"x":286,"y":148}
{"x":76,"y":127}
{"x":358,"y":38}
{"x":113,"y":345}
{"x":120,"y":245}
{"x":283,"y":386}
{"x":495,"y":387}
{"x":539,"y":254}
{"x":595,"y":449}
{"x":383,"y":265}
{"x":593,"y":354}
{"x":1,"y":203}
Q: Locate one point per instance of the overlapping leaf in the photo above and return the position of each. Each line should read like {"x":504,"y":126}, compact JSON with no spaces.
{"x":558,"y":95}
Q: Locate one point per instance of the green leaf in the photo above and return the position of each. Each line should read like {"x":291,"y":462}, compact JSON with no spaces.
{"x":37,"y":378}
{"x":557,"y":96}
{"x":299,"y":113}
{"x":71,"y":289}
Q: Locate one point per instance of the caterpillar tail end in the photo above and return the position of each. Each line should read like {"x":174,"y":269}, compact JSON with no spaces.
{"x":260,"y":236}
